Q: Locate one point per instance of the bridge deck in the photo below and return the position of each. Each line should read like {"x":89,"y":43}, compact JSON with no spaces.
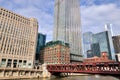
{"x":111,"y":68}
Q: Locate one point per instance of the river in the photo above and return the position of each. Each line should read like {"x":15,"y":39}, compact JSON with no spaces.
{"x":90,"y":77}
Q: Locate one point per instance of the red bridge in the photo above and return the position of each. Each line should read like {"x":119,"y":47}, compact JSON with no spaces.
{"x":109,"y":68}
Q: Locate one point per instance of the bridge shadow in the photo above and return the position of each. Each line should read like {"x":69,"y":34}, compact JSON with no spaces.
{"x":115,"y":76}
{"x":60,"y":75}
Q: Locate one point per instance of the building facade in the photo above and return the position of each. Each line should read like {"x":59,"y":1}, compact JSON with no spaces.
{"x":102,"y":58}
{"x":103,"y":42}
{"x":40,"y":43}
{"x":87,"y":41}
{"x":18,"y":36}
{"x":55,"y":53}
{"x":96,"y":49}
{"x":89,"y":53}
{"x":116,"y":43}
{"x":67,"y":26}
{"x":117,"y":57}
{"x":108,"y":27}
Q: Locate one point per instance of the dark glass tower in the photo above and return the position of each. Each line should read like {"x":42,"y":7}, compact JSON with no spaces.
{"x":40,"y":43}
{"x":102,"y":42}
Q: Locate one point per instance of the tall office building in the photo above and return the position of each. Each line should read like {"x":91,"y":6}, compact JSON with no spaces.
{"x":102,"y":42}
{"x":108,"y":27}
{"x":18,"y":36}
{"x":96,"y":49}
{"x":67,"y":26}
{"x":40,"y":43}
{"x":87,"y":41}
{"x":116,"y":43}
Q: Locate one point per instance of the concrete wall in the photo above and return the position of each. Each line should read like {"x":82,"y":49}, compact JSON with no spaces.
{"x":20,"y":73}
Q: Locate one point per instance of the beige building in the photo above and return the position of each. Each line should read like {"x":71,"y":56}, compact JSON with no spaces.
{"x":18,"y":36}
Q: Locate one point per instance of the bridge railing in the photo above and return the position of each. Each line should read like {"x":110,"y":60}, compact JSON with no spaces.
{"x":95,"y":68}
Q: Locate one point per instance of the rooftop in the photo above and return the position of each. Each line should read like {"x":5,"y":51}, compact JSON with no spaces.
{"x":54,"y":43}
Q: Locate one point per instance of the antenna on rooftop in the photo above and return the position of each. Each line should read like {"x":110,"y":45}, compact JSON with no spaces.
{"x":108,"y":27}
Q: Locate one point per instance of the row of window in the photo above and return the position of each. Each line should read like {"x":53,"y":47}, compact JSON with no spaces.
{"x":14,"y":16}
{"x":21,"y":31}
{"x":55,"y":50}
{"x":13,"y":63}
{"x":12,"y":46}
{"x":57,"y":62}
{"x":56,"y":58}
{"x":15,"y":41}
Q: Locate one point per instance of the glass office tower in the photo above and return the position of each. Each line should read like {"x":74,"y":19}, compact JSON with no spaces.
{"x":67,"y":26}
{"x":40,"y":43}
{"x":87,"y":41}
{"x":102,"y":42}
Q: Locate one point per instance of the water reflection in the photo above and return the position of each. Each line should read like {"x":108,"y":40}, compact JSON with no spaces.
{"x":90,"y":77}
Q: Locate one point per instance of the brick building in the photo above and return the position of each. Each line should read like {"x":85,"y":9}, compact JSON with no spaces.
{"x":103,"y":58}
{"x":55,"y":52}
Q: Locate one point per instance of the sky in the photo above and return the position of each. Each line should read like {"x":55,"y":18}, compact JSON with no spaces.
{"x":94,"y":14}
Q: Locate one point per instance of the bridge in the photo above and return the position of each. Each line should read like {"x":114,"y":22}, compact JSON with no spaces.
{"x":109,"y":68}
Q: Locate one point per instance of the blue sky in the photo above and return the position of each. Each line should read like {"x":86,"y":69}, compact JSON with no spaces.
{"x":94,"y":14}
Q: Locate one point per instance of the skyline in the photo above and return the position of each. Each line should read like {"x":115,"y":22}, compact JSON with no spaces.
{"x":94,"y":14}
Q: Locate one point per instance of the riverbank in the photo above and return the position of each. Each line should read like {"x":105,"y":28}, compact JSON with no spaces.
{"x":14,"y":78}
{"x":23,"y":73}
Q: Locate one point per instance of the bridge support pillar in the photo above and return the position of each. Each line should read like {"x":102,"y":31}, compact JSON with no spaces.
{"x":15,"y":73}
{"x":45,"y":71}
{"x":2,"y":73}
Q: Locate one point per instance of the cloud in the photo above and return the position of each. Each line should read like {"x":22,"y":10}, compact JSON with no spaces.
{"x":94,"y":17}
{"x":99,"y":2}
{"x":40,"y":9}
{"x":94,"y":13}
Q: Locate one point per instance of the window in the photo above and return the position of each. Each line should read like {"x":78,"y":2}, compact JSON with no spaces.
{"x":24,"y":62}
{"x":3,"y":62}
{"x":0,"y":37}
{"x":14,"y":63}
{"x":0,"y":25}
{"x":9,"y":63}
{"x":20,"y":61}
{"x":0,"y":12}
{"x":29,"y":64}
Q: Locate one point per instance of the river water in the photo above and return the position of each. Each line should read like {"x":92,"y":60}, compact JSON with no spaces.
{"x":90,"y":77}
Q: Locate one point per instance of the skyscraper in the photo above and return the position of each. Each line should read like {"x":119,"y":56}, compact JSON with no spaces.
{"x":87,"y":41}
{"x":102,"y":42}
{"x":116,"y":43}
{"x":67,"y":26}
{"x":40,"y":43}
{"x":108,"y":27}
